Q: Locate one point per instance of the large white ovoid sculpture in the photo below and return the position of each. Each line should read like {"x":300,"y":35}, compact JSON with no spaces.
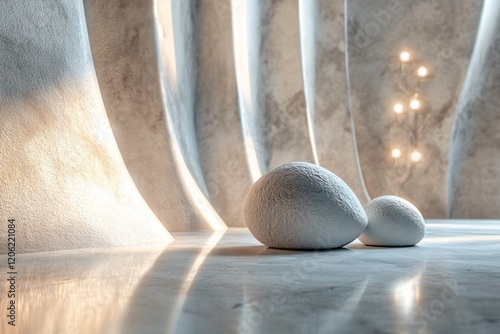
{"x":61,"y":176}
{"x":303,"y":206}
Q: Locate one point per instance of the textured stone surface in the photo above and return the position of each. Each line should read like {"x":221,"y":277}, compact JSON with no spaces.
{"x":474,"y":168}
{"x":303,"y":206}
{"x":61,"y":175}
{"x":392,"y":221}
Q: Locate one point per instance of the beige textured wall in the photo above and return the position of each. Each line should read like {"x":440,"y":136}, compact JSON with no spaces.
{"x":61,"y":175}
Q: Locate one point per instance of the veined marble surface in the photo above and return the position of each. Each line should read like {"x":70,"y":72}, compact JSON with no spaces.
{"x":229,"y":283}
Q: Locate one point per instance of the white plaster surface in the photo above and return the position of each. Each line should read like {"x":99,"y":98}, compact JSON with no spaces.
{"x":61,"y":175}
{"x":392,"y":222}
{"x":448,"y":283}
{"x":303,"y":206}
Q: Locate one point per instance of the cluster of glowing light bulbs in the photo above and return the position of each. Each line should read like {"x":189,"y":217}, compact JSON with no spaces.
{"x":415,"y":155}
{"x":422,"y":72}
{"x":414,"y":104}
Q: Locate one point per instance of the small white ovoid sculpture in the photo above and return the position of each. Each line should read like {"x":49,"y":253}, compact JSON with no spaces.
{"x":303,"y":206}
{"x":393,"y":222}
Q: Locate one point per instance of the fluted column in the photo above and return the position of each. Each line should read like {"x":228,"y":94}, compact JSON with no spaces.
{"x":474,"y":161}
{"x":219,"y":129}
{"x":61,"y":175}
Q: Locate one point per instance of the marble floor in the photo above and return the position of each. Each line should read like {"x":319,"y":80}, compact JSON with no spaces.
{"x":230,"y":283}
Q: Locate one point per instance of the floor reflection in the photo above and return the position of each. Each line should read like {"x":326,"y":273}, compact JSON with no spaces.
{"x":324,"y":293}
{"x":159,"y":298}
{"x":85,"y":291}
{"x":189,"y":278}
{"x":212,"y":283}
{"x":462,"y":239}
{"x":407,"y":295}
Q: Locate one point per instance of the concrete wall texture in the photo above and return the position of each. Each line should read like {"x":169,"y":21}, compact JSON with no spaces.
{"x":205,"y":96}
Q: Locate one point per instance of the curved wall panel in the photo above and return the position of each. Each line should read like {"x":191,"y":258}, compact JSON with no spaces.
{"x":61,"y":175}
{"x":218,"y":120}
{"x":474,"y":168}
{"x":285,"y":119}
{"x":332,"y":122}
{"x":142,"y":55}
{"x":247,"y":39}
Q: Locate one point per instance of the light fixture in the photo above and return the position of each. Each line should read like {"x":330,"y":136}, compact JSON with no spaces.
{"x":405,"y":56}
{"x":423,"y":72}
{"x":396,"y":153}
{"x":416,"y":156}
{"x":398,"y":108}
{"x":415,"y":103}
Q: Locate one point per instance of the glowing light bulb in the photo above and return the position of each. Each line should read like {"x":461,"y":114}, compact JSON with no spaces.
{"x":396,"y":153}
{"x":398,"y":108}
{"x":416,"y":156}
{"x":405,"y":56}
{"x":423,"y":71}
{"x":415,"y":104}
